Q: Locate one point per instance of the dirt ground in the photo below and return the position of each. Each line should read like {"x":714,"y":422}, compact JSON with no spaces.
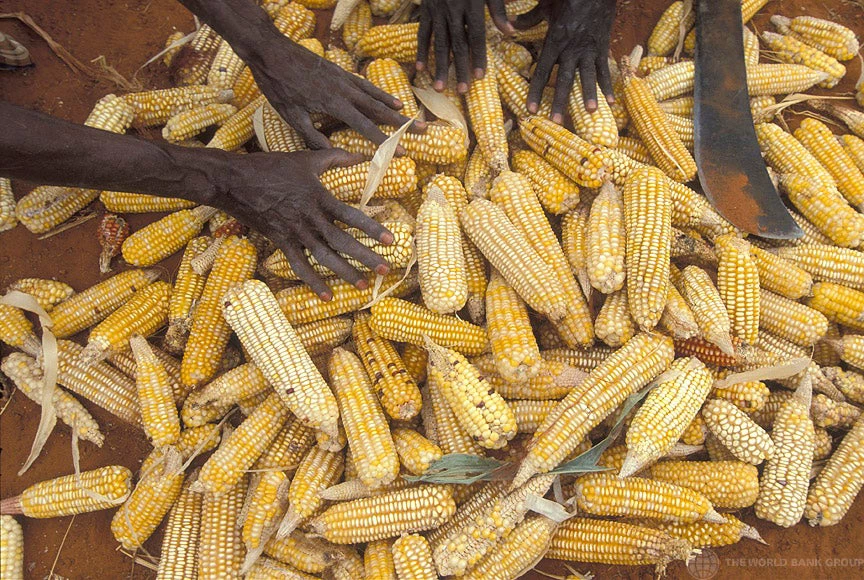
{"x":127,"y":33}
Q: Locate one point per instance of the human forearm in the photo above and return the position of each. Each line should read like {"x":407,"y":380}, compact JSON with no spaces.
{"x":50,"y":151}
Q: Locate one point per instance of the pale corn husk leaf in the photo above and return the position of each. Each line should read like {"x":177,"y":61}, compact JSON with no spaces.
{"x":258,"y":125}
{"x":441,"y":107}
{"x":784,"y":370}
{"x":381,"y":161}
{"x":548,"y":508}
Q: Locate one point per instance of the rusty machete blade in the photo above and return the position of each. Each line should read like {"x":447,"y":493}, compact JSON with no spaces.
{"x":731,"y":169}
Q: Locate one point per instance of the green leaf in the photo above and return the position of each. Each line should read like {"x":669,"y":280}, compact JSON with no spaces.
{"x":460,"y":469}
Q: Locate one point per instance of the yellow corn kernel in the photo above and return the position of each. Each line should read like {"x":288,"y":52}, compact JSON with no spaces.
{"x":707,"y":306}
{"x":341,"y":58}
{"x":378,"y":561}
{"x":238,"y":128}
{"x":574,"y":242}
{"x":188,"y":286}
{"x":396,"y":41}
{"x":791,"y":50}
{"x":790,"y":320}
{"x":671,"y":81}
{"x":295,"y":21}
{"x":416,"y":452}
{"x":839,"y":304}
{"x":448,"y":433}
{"x":785,"y":154}
{"x":821,"y":143}
{"x":319,"y":470}
{"x":738,"y":284}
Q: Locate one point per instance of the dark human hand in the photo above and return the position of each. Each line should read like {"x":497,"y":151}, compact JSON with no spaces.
{"x":578,"y":39}
{"x":458,"y":25}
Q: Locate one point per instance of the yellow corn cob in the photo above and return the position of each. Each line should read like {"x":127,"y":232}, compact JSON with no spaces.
{"x":684,"y":128}
{"x":518,"y":551}
{"x":180,"y":550}
{"x":414,"y":359}
{"x":46,"y":207}
{"x":26,"y":373}
{"x":8,"y":220}
{"x":850,"y":383}
{"x":16,"y":330}
{"x":605,"y":240}
{"x":269,"y":569}
{"x":322,"y":336}
{"x":614,"y":325}
{"x":356,"y":25}
{"x":279,"y":135}
{"x":830,"y":37}
{"x":238,"y":128}
{"x":557,"y":193}
{"x":530,"y":414}
{"x":156,"y":491}
{"x":144,"y":314}
{"x":760,"y":108}
{"x":245,"y":445}
{"x":478,"y":175}
{"x":11,"y":549}
{"x":785,"y":154}
{"x":312,"y":45}
{"x":319,"y":470}
{"x":563,"y":150}
{"x":352,"y":489}
{"x":605,"y":495}
{"x":706,"y":534}
{"x":387,"y":75}
{"x":403,"y":321}
{"x":781,"y":276}
{"x":265,"y":506}
{"x":513,"y":89}
{"x":554,"y":380}
{"x":157,"y":106}
{"x":342,"y":58}
{"x":681,"y":106}
{"x":516,"y":354}
{"x":737,"y":431}
{"x":378,"y":561}
{"x":778,"y":349}
{"x":416,"y":452}
{"x":574,"y":242}
{"x":449,"y":434}
{"x":303,"y":552}
{"x":477,"y":503}
{"x":696,"y":432}
{"x":707,"y":306}
{"x":828,"y":263}
{"x":295,"y":21}
{"x":790,"y":320}
{"x":738,"y":284}
{"x":487,"y":119}
{"x":824,"y":444}
{"x":598,"y":127}
{"x":347,"y":183}
{"x":188,"y":286}
{"x":121,"y":202}
{"x":611,"y":542}
{"x":443,"y":279}
{"x":221,"y":550}
{"x":748,"y":396}
{"x":225,"y":68}
{"x":786,"y":476}
{"x":383,"y":7}
{"x":440,"y":144}
{"x":674,"y":22}
{"x":833,"y":415}
{"x":195,"y":57}
{"x":826,"y":208}
{"x":289,"y":447}
{"x":820,"y":142}
{"x":608,"y":385}
{"x":677,"y":318}
{"x":839,"y":482}
{"x":823,"y":353}
{"x":412,"y":558}
{"x":854,"y":147}
{"x":95,"y":490}
{"x":727,"y":484}
{"x":209,"y":332}
{"x":155,"y":395}
{"x":99,"y":383}
{"x":667,"y":411}
{"x":245,"y":88}
{"x":782,"y":79}
{"x":839,"y":304}
{"x":190,"y":123}
{"x":671,"y":81}
{"x":396,"y":41}
{"x":223,"y":393}
{"x":647,"y":223}
{"x":111,"y":113}
{"x":160,"y":239}
{"x":349,"y":566}
{"x":791,"y":50}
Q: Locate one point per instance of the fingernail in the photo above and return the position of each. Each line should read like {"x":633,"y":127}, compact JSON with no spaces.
{"x":438,"y":86}
{"x":509,"y":28}
{"x":362,"y":284}
{"x":420,"y":124}
{"x":382,"y":269}
{"x":610,"y":99}
{"x":325,"y":296}
{"x":557,"y":118}
{"x":400,"y":151}
{"x":397,"y":103}
{"x":532,"y":107}
{"x":386,"y":238}
{"x":462,"y":88}
{"x":419,"y":65}
{"x":590,"y":105}
{"x":479,"y":73}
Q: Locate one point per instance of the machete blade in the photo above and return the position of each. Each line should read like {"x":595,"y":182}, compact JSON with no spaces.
{"x":731,"y":170}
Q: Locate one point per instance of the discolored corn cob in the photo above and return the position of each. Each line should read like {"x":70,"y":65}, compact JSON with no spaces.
{"x":443,"y":278}
{"x":830,"y":37}
{"x":157,"y":106}
{"x":113,"y":230}
{"x":647,"y":223}
{"x":673,"y":23}
{"x":94,"y":490}
{"x":780,"y":276}
{"x":160,"y":239}
{"x":839,"y":304}
{"x":303,"y":552}
{"x":26,"y":373}
{"x":191,"y":122}
{"x":677,"y":318}
{"x":347,"y":183}
{"x":209,"y":332}
{"x":180,"y":549}
{"x":748,"y":396}
{"x":188,"y":287}
{"x":193,"y":61}
{"x":554,"y":380}
{"x":782,"y":79}
{"x":707,"y":534}
{"x":604,"y":494}
{"x":850,"y":383}
{"x":225,"y":68}
{"x":412,"y":558}
{"x":671,"y":81}
{"x":449,"y":434}
{"x":556,"y":192}
{"x":614,"y":325}
{"x":577,"y":159}
{"x":396,"y":41}
{"x":518,"y":551}
{"x":726,"y":484}
{"x":606,"y":240}
{"x":8,"y":220}
{"x":839,"y":482}
{"x":221,"y":550}
{"x":265,"y":505}
{"x":737,"y":431}
{"x":611,"y":542}
{"x":439,"y":144}
{"x":707,"y":306}
{"x":46,"y":206}
{"x":11,"y":549}
{"x":155,"y":395}
{"x":790,"y":320}
{"x":738,"y":285}
{"x":829,"y":414}
{"x":666,"y":413}
{"x":608,"y":385}
{"x":821,"y":143}
{"x":269,"y":569}
{"x":516,"y":354}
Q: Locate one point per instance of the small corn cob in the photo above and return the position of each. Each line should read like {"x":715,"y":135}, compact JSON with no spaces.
{"x":674,"y":22}
{"x":727,"y":484}
{"x":563,"y":149}
{"x":786,"y":477}
{"x":225,"y":68}
{"x":608,"y":385}
{"x":303,"y":552}
{"x":180,"y":549}
{"x":25,"y":372}
{"x":824,"y":444}
{"x":414,"y":359}
{"x":356,"y":25}
{"x":678,"y":319}
{"x":781,"y":276}
{"x":113,"y":230}
{"x":443,"y":279}
{"x":378,"y":561}
{"x":839,"y":482}
{"x":188,"y":286}
{"x":412,"y":558}
{"x":157,"y":106}
{"x":94,"y":490}
{"x":554,"y":380}
{"x":416,"y":453}
{"x":706,"y":534}
{"x":111,"y":113}
{"x":144,"y":314}
{"x":245,"y":445}
{"x":667,"y":411}
{"x":606,"y":495}
{"x":11,"y":549}
{"x":353,"y":488}
{"x":46,"y":207}
{"x":347,"y":183}
{"x":782,"y":79}
{"x":614,"y":325}
{"x":319,"y":470}
{"x":606,"y":240}
{"x":611,"y":542}
{"x":301,"y":305}
{"x":209,"y":332}
{"x":737,"y":431}
{"x":738,"y":284}
{"x":193,"y":62}
{"x":341,"y":58}
{"x":748,"y":396}
{"x":8,"y":220}
{"x":850,"y":383}
{"x":157,"y":489}
{"x":830,"y":37}
{"x":221,"y":550}
{"x":160,"y":239}
{"x":439,"y":144}
{"x":404,"y":321}
{"x":671,"y":81}
{"x":16,"y":330}
{"x":449,"y":434}
{"x":265,"y":505}
{"x":478,"y":175}
{"x":396,"y":41}
{"x":785,"y":154}
{"x":647,"y":223}
{"x":122,"y":202}
{"x":707,"y":306}
{"x":574,"y":242}
{"x":155,"y":395}
{"x":839,"y":304}
{"x":48,"y":293}
{"x":516,"y":354}
{"x":821,"y":143}
{"x":557,"y":193}
{"x":829,"y":414}
{"x":790,"y":320}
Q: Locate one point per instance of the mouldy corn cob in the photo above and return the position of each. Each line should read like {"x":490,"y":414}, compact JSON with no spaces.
{"x":111,"y":113}
{"x":443,"y":278}
{"x":830,"y":37}
{"x":113,"y":230}
{"x":518,"y":551}
{"x":8,"y":220}
{"x":608,"y":385}
{"x":556,"y":192}
{"x":606,"y":240}
{"x":160,"y":239}
{"x":209,"y":333}
{"x":674,"y":22}
{"x":577,"y":159}
{"x":180,"y":549}
{"x":304,"y":553}
{"x":188,"y":286}
{"x":786,"y":476}
{"x":396,"y":41}
{"x":478,"y":175}
{"x":781,"y":276}
{"x":791,"y":50}
{"x":850,"y":383}
{"x":707,"y":306}
{"x":832,"y":415}
{"x":221,"y":550}
{"x":412,"y":558}
{"x":144,"y":314}
{"x":26,"y":373}
{"x":554,"y":380}
{"x":611,"y":542}
{"x":347,"y":183}
{"x":648,"y":230}
{"x":839,"y":304}
{"x":707,"y":534}
{"x":666,"y":413}
{"x":67,"y":495}
{"x":193,"y":61}
{"x":46,"y":207}
{"x":122,"y":202}
{"x":677,"y":318}
{"x":319,"y":470}
{"x":11,"y":549}
{"x":439,"y":144}
{"x":738,"y":284}
{"x":155,"y":395}
{"x":487,"y":119}
{"x":157,"y":106}
{"x":839,"y":482}
{"x":289,"y":447}
{"x":514,"y":349}
{"x":726,"y":484}
{"x":735,"y":430}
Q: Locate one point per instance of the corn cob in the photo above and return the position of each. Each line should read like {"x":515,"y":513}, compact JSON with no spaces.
{"x":111,"y":113}
{"x":853,"y":118}
{"x":671,"y":81}
{"x":414,"y":359}
{"x":443,"y":280}
{"x":8,"y":220}
{"x":48,"y":293}
{"x":839,"y":304}
{"x":785,"y":154}
{"x":396,"y":41}
{"x":782,"y":79}
{"x":16,"y":330}
{"x":557,"y":193}
{"x":226,"y":390}
{"x":574,"y":242}
{"x":440,"y":144}
{"x":449,"y":434}
{"x":824,"y":354}
{"x":317,"y":471}
{"x":596,"y":127}
{"x":378,"y":561}
{"x":416,"y":453}
{"x":748,"y":396}
{"x":515,"y":56}
{"x":850,"y":383}
{"x":180,"y":550}
{"x":647,"y":223}
{"x":563,"y":149}
{"x":412,"y":558}
{"x":487,"y":119}
{"x":303,"y":552}
{"x":779,"y":349}
{"x":11,"y":549}
{"x":245,"y":88}
{"x":513,"y":89}
{"x":830,"y":37}
{"x":113,"y":230}
{"x":516,"y":354}
{"x":238,"y":128}
{"x":221,"y":550}
{"x":356,"y":25}
{"x":827,"y":263}
{"x":289,"y":447}
{"x":554,"y":380}
{"x":193,"y":62}
{"x":738,"y":284}
{"x":677,"y":318}
{"x":347,"y":183}
{"x":792,"y":321}
{"x":477,"y":504}
{"x":301,"y":305}
{"x":761,"y":108}
{"x":674,"y":22}
{"x":157,"y":106}
{"x":188,"y":287}
{"x":158,"y":412}
{"x":608,"y":385}
{"x":209,"y":332}
{"x":478,"y":175}
{"x":530,"y":414}
{"x":839,"y":482}
{"x":737,"y":431}
{"x":611,"y":542}
{"x":265,"y":505}
{"x":829,"y":414}
{"x":160,"y":239}
{"x":269,"y":569}
{"x":820,"y":142}
{"x":46,"y":207}
{"x":295,"y":21}
{"x":341,"y":58}
{"x":727,"y":484}
{"x":225,"y":68}
{"x":190,"y":123}
{"x":781,"y":276}
{"x":614,"y":325}
{"x":791,"y":50}
{"x":854,"y":147}
{"x":606,"y":240}
{"x":706,"y":534}
{"x":635,"y":149}
{"x":518,"y":551}
{"x":94,"y":490}
{"x":707,"y":306}
{"x":25,"y":372}
{"x":279,"y":135}
{"x":121,"y":202}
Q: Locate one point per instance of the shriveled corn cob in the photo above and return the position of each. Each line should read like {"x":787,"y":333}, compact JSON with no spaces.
{"x":614,"y":325}
{"x":781,"y":276}
{"x":677,"y":318}
{"x":46,"y":206}
{"x":707,"y":534}
{"x":738,"y":284}
{"x":727,"y":484}
{"x":180,"y":549}
{"x":347,"y":183}
{"x":577,"y":159}
{"x":478,"y":175}
{"x":8,"y":220}
{"x":671,"y":81}
{"x":439,"y":144}
{"x":11,"y":549}
{"x":412,"y":558}
{"x":111,"y":113}
{"x":515,"y":351}
{"x":737,"y":431}
{"x":790,"y":320}
{"x":626,"y":370}
{"x":554,"y":380}
{"x":221,"y":550}
{"x":612,"y":542}
{"x":707,"y":306}
{"x":95,"y":490}
{"x":574,"y":242}
{"x":157,"y":106}
{"x":829,"y":414}
{"x":113,"y":230}
{"x":830,"y":37}
{"x":188,"y":287}
{"x":850,"y":383}
{"x":606,"y":240}
{"x":556,"y":192}
{"x":396,"y":41}
{"x":674,"y":22}
{"x":209,"y":333}
{"x":838,"y":484}
{"x":303,"y":552}
{"x":319,"y":470}
{"x":476,"y":504}
{"x":449,"y":434}
{"x":349,"y":566}
{"x":353,"y":488}
{"x":518,"y":551}
{"x":191,"y":122}
{"x":443,"y":278}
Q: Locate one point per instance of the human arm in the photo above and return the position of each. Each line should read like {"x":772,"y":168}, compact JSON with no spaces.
{"x":278,"y":194}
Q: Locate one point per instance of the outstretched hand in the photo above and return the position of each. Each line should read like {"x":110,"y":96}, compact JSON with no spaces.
{"x":279,"y":194}
{"x":578,"y":39}
{"x":460,"y":25}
